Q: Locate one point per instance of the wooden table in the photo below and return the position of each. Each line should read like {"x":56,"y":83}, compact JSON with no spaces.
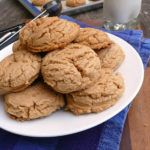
{"x":136,"y":134}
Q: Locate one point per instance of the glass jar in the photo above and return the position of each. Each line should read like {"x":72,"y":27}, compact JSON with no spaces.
{"x":121,"y":14}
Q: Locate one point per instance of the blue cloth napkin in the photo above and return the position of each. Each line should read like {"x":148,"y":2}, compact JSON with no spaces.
{"x":106,"y":136}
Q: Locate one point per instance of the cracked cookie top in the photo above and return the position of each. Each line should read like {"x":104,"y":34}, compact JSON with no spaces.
{"x":46,"y":34}
{"x":36,"y":101}
{"x":74,"y":68}
{"x":18,"y":70}
{"x":94,"y":38}
{"x":105,"y":93}
{"x":112,"y":56}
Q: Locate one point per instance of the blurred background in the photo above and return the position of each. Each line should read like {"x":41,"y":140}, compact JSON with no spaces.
{"x":12,"y":13}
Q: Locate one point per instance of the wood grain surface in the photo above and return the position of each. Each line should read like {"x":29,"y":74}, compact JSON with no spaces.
{"x":136,"y":134}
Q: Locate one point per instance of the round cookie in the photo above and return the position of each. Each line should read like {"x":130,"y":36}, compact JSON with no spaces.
{"x":98,"y":97}
{"x":74,"y":3}
{"x":94,"y":38}
{"x":18,"y":70}
{"x":39,"y":2}
{"x":111,"y":57}
{"x":46,"y":34}
{"x":74,"y":68}
{"x":36,"y":101}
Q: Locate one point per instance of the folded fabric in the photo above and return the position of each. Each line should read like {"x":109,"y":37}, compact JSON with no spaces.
{"x":106,"y":136}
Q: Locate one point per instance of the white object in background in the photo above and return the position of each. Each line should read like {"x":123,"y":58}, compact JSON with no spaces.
{"x":121,"y":11}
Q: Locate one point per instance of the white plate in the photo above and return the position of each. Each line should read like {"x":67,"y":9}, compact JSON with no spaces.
{"x":64,"y":123}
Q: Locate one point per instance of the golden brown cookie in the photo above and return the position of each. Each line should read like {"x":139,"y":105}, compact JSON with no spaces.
{"x":74,"y":3}
{"x":36,"y":101}
{"x":46,"y":34}
{"x":98,"y":97}
{"x":39,"y":2}
{"x":18,"y":70}
{"x":74,"y":68}
{"x":94,"y":38}
{"x":112,"y":56}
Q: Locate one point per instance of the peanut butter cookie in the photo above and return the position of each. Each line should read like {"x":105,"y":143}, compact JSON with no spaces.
{"x":98,"y":97}
{"x":74,"y":3}
{"x":94,"y":38}
{"x":36,"y":101}
{"x":74,"y":68}
{"x":39,"y":2}
{"x":18,"y":70}
{"x":46,"y":34}
{"x":112,"y":56}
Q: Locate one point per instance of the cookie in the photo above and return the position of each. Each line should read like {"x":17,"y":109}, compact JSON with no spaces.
{"x":74,"y":68}
{"x":46,"y":34}
{"x":98,"y":97}
{"x":36,"y":101}
{"x":112,"y":56}
{"x":18,"y":70}
{"x":74,"y":3}
{"x":94,"y":38}
{"x":39,"y":2}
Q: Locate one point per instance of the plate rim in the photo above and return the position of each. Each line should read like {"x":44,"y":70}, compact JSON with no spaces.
{"x":96,"y":123}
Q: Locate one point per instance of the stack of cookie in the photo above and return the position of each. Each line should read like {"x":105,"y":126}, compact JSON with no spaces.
{"x":76,"y":63}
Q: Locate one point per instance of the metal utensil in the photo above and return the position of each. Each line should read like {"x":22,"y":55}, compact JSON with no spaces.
{"x":52,"y":8}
